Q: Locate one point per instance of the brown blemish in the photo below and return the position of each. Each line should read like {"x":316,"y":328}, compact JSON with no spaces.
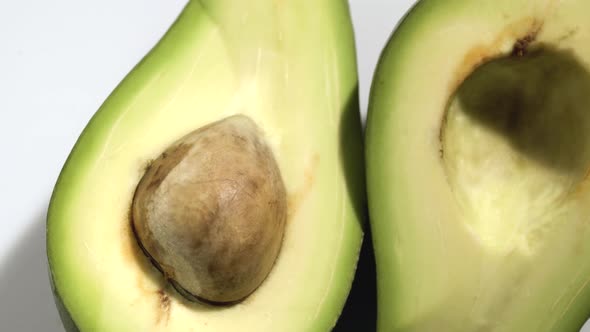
{"x":521,"y":45}
{"x":297,"y":197}
{"x":475,"y":57}
{"x":480,"y":54}
{"x":147,"y":165}
{"x":164,"y":305}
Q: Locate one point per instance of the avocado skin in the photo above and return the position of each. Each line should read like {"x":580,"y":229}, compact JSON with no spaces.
{"x":64,"y":315}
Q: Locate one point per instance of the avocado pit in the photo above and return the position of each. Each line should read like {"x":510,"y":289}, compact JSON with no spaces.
{"x":210,"y":211}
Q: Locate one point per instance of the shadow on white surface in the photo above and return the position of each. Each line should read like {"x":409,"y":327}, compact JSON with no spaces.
{"x":26,"y":302}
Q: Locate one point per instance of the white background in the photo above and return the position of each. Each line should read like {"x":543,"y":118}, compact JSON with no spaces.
{"x":59,"y":60}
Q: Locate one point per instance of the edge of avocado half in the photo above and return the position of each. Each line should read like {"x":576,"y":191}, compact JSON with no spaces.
{"x":290,"y":68}
{"x":478,"y":155}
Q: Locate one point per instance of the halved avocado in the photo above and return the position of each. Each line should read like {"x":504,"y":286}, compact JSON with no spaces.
{"x":234,"y":151}
{"x":478,"y":153}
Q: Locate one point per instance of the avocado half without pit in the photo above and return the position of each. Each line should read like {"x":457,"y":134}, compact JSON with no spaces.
{"x":478,"y":145}
{"x":220,"y":186}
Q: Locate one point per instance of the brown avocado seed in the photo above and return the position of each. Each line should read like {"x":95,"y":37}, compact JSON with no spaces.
{"x":210,"y":212}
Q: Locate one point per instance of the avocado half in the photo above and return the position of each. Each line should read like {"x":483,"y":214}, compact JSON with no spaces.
{"x":478,"y":154}
{"x":283,"y":74}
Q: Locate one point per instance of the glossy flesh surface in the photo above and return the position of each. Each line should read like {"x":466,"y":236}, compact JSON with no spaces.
{"x":477,"y":162}
{"x":288,"y":65}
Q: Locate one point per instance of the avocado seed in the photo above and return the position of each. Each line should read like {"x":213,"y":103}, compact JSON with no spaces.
{"x":210,"y":211}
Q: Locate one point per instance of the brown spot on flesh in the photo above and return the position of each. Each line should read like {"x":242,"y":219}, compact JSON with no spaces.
{"x":164,"y":305}
{"x":297,"y":197}
{"x":524,"y":32}
{"x":521,"y":45}
{"x":146,"y":166}
{"x":518,"y":29}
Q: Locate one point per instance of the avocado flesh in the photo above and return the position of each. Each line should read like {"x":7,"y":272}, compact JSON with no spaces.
{"x":477,"y":165}
{"x":288,"y":66}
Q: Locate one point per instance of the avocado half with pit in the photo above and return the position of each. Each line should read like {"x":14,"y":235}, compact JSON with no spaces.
{"x":220,"y":186}
{"x":478,"y":153}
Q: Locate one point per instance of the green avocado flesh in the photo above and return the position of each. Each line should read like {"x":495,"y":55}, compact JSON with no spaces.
{"x":289,"y":67}
{"x":478,"y":154}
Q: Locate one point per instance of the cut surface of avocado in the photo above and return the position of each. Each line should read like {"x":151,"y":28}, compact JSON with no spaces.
{"x":285,"y":70}
{"x":478,"y":154}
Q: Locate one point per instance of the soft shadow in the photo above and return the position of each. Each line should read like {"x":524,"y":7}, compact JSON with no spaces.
{"x":360,"y":311}
{"x":352,"y":155}
{"x":26,"y":301}
{"x":540,"y":102}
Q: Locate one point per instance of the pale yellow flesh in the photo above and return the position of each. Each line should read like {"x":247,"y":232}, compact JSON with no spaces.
{"x":516,"y":146}
{"x":283,"y":65}
{"x":497,"y":265}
